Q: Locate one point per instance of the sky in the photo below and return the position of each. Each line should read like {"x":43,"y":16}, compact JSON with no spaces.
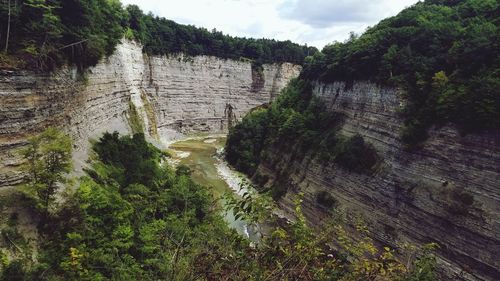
{"x":312,"y":22}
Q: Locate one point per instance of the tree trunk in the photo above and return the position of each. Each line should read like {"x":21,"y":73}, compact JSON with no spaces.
{"x":8,"y":31}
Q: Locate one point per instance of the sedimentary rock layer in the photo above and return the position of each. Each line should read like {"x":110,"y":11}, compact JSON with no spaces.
{"x":413,"y":195}
{"x":171,"y":95}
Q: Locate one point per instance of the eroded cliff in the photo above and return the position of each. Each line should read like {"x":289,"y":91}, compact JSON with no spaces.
{"x":169,"y":95}
{"x":445,"y":192}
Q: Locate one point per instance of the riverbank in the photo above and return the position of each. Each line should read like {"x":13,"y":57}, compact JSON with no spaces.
{"x":204,"y":156}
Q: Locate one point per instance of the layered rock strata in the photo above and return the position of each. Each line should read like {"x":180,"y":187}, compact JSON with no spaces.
{"x":418,"y":196}
{"x":204,"y":93}
{"x":170,"y":95}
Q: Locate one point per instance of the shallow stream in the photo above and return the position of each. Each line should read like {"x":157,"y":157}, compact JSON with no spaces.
{"x":204,"y":156}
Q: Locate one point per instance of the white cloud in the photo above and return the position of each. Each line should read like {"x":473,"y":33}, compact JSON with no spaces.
{"x":315,"y":22}
{"x":325,"y":13}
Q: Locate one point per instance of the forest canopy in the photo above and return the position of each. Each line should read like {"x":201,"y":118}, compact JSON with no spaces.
{"x":45,"y":34}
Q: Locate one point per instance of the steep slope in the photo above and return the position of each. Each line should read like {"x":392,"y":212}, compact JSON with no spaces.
{"x":166,"y":94}
{"x":399,"y":125}
{"x":413,"y":196}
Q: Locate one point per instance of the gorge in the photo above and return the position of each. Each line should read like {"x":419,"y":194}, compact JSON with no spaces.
{"x":416,"y":196}
{"x":172,"y":95}
{"x":376,"y":158}
{"x":405,"y":200}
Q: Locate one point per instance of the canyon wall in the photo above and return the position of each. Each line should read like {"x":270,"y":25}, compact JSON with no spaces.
{"x":171,"y":95}
{"x":418,"y":196}
{"x":209,"y":94}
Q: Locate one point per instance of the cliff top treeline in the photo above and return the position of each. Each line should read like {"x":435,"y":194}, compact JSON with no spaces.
{"x":44,"y":34}
{"x":443,"y":53}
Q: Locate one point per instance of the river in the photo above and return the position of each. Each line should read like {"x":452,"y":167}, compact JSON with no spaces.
{"x":203,"y":155}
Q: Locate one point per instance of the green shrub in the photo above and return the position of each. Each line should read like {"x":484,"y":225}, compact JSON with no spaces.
{"x":278,"y":190}
{"x":246,"y":141}
{"x":137,"y":165}
{"x":326,"y":200}
{"x":354,"y":154}
{"x":459,"y":201}
{"x":260,"y":179}
{"x":48,"y":157}
{"x":14,"y":271}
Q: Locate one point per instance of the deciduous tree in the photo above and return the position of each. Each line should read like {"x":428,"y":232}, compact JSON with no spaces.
{"x":48,"y":158}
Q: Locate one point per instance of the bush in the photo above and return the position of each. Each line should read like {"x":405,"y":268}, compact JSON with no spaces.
{"x":49,"y":161}
{"x":14,"y":271}
{"x":246,"y":141}
{"x":137,"y":165}
{"x":278,"y":191}
{"x":459,"y":201}
{"x":326,"y":200}
{"x":260,"y":179}
{"x":356,"y":155}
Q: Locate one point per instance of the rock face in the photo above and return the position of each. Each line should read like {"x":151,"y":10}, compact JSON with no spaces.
{"x":446,"y":192}
{"x":205,"y":93}
{"x":171,"y":95}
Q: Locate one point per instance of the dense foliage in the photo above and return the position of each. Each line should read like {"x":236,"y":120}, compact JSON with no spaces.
{"x":131,"y":219}
{"x":325,"y":199}
{"x":48,"y":158}
{"x":162,"y":36}
{"x":134,"y":219}
{"x":444,"y":54}
{"x":298,"y":122}
{"x":44,"y":34}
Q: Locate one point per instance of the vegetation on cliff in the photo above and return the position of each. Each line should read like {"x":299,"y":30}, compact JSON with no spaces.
{"x":162,"y":36}
{"x":44,"y":34}
{"x":444,"y":54}
{"x":49,"y":160}
{"x":296,"y":123}
{"x":132,"y":218}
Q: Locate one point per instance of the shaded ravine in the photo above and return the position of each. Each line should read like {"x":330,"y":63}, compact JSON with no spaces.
{"x":203,"y":155}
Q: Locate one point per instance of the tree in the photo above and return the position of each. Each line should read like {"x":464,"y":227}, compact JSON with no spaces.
{"x":459,"y":38}
{"x":9,"y":12}
{"x":49,"y":160}
{"x":296,"y":251}
{"x":43,"y":31}
{"x":8,"y":29}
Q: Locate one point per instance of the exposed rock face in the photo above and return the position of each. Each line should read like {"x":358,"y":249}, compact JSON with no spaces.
{"x":195,"y":94}
{"x":416,"y":196}
{"x":171,"y":94}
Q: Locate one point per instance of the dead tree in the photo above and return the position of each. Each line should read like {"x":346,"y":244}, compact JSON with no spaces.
{"x":8,"y":28}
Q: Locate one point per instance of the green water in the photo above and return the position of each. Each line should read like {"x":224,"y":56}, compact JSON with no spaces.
{"x":201,"y":155}
{"x":202,"y":161}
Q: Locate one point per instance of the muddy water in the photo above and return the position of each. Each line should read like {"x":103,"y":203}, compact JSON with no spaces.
{"x":204,"y":156}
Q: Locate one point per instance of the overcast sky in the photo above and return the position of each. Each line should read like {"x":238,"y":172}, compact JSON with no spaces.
{"x":315,"y":22}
